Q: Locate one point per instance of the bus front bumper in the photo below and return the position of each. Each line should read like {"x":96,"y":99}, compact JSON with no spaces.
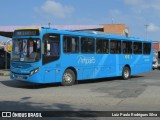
{"x":26,"y":78}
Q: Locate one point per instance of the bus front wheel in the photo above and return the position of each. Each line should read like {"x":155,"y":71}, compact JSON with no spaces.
{"x":126,"y":73}
{"x":68,"y":78}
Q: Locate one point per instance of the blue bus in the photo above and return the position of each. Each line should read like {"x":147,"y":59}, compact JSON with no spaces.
{"x":48,"y":55}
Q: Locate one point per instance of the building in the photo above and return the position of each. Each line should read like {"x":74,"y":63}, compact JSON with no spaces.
{"x":116,"y":29}
{"x":121,"y":29}
{"x":156,"y":45}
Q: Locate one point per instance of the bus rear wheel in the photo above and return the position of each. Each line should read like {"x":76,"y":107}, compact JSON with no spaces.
{"x":68,"y":78}
{"x":126,"y":73}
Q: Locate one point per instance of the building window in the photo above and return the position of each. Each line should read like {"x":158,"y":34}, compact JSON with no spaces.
{"x":137,"y":47}
{"x":115,"y":46}
{"x":102,"y":46}
{"x":87,"y":45}
{"x":70,"y":44}
{"x":146,"y":48}
{"x":127,"y":47}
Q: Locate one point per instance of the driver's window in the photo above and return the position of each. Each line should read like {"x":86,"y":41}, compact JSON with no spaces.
{"x":50,"y":47}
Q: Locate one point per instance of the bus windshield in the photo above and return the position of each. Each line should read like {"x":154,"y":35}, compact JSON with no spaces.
{"x":26,"y":50}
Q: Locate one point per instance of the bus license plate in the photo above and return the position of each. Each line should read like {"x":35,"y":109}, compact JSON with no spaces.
{"x":19,"y":77}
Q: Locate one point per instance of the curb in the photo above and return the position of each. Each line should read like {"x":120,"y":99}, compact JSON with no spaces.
{"x":4,"y":73}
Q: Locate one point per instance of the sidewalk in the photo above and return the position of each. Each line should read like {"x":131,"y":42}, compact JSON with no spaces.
{"x":4,"y":72}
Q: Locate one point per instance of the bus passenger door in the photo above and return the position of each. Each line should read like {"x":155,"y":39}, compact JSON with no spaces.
{"x":50,"y":55}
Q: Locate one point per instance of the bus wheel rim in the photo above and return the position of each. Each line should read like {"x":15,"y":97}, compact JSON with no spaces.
{"x":67,"y":77}
{"x":126,"y":73}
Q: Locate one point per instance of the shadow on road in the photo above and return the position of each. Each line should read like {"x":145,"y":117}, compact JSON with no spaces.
{"x":57,"y":110}
{"x":106,"y":79}
{"x":20,"y":84}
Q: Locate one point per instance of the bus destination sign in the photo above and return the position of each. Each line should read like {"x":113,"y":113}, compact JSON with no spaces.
{"x":26,"y":33}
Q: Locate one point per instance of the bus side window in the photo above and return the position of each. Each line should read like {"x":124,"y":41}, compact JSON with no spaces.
{"x":87,"y":45}
{"x":146,"y":48}
{"x":127,"y":47}
{"x":70,"y":44}
{"x":102,"y":46}
{"x":137,"y":47}
{"x":115,"y":46}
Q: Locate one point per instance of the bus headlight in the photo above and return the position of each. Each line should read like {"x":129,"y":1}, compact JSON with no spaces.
{"x":34,"y":71}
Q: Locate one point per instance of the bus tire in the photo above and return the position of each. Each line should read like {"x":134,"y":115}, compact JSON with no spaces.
{"x":126,"y":73}
{"x":68,"y":78}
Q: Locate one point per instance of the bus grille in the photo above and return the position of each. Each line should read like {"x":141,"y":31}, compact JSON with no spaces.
{"x":22,"y":66}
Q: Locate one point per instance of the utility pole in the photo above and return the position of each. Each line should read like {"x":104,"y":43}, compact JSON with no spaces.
{"x":112,"y":20}
{"x":146,"y":27}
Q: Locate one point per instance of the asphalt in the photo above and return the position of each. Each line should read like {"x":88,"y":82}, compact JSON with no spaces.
{"x":140,"y":93}
{"x":4,"y":72}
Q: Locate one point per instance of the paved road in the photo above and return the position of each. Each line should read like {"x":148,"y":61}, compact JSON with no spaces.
{"x":141,"y":92}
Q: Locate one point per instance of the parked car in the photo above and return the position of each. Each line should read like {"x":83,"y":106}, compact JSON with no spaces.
{"x":155,"y":63}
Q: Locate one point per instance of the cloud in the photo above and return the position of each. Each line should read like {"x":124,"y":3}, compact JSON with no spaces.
{"x":56,"y":9}
{"x":133,"y":2}
{"x":153,"y":28}
{"x":144,"y":4}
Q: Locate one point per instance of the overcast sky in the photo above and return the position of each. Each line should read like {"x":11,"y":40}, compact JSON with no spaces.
{"x":134,"y":13}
